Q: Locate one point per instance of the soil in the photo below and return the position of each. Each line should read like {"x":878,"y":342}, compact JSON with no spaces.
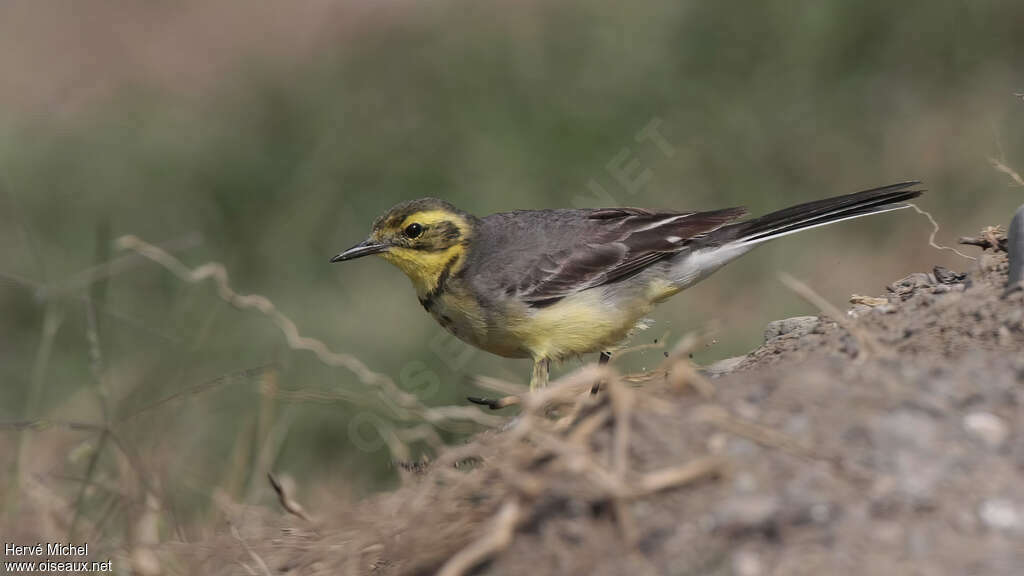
{"x":891,"y":444}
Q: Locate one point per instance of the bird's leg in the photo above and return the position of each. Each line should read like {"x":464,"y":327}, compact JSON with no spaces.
{"x":601,"y":361}
{"x":538,"y":380}
{"x":540,"y":374}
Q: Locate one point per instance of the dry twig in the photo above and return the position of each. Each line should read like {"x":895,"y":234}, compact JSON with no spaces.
{"x":403,"y":405}
{"x":678,"y":476}
{"x":935,"y":231}
{"x":1002,"y":167}
{"x":285,"y":498}
{"x":498,"y":538}
{"x":252,"y":553}
{"x":991,"y":237}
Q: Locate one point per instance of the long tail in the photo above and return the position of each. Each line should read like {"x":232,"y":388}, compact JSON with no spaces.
{"x":817,"y":213}
{"x":727,"y":243}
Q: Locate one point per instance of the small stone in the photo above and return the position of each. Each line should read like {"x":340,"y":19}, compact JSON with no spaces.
{"x":797,"y":425}
{"x":858,"y":310}
{"x":707,"y":523}
{"x":717,"y":443}
{"x":751,"y":512}
{"x":723,"y":367}
{"x":999,"y":514}
{"x":747,"y":563}
{"x":747,"y":410}
{"x":888,"y":532}
{"x":987,"y":428}
{"x":797,"y":326}
{"x":742,"y":447}
{"x":946,"y":276}
{"x":906,"y":287}
{"x":821,"y":513}
{"x":745,"y":482}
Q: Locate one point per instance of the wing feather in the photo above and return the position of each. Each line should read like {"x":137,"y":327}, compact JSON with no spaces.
{"x":616,"y":243}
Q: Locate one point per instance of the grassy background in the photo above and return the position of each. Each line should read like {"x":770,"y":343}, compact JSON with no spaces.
{"x":268,"y":138}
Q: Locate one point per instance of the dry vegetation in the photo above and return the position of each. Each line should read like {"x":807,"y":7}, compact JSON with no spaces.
{"x":883,"y":440}
{"x":181,"y":427}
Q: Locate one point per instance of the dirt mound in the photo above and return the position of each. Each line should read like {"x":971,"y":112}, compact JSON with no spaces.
{"x":891,"y":444}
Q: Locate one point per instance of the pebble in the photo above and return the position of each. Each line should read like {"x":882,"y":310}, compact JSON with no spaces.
{"x":723,"y":367}
{"x":747,"y":563}
{"x":741,"y":447}
{"x":888,"y":532}
{"x":987,"y":428}
{"x":946,"y":276}
{"x":1003,"y":336}
{"x":747,"y":410}
{"x":797,"y":325}
{"x":717,"y":443}
{"x":999,"y":514}
{"x":821,"y":513}
{"x":858,"y":310}
{"x":749,"y":512}
{"x":906,"y":287}
{"x":745,"y":482}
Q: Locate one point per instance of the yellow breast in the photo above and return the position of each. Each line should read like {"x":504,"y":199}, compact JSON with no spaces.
{"x":579,"y":324}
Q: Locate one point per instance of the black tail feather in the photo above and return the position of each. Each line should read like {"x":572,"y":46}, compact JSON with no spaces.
{"x":819,"y":212}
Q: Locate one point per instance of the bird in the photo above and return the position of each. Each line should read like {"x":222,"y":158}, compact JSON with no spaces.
{"x":556,"y":284}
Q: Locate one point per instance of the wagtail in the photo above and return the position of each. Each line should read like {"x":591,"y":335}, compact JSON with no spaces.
{"x":554,"y":284}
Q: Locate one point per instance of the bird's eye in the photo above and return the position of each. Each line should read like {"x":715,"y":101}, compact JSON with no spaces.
{"x":413,"y":230}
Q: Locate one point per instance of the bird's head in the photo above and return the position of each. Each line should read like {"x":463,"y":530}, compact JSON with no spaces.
{"x":425,"y":238}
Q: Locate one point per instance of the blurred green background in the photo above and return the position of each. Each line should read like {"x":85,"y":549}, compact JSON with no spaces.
{"x":267,"y":136}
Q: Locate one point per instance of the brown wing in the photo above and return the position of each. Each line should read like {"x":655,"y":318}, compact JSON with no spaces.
{"x":616,"y":243}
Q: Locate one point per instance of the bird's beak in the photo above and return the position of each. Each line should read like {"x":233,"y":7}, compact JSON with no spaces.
{"x":364,"y":248}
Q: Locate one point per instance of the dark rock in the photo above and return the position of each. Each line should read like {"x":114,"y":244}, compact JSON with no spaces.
{"x":907,"y":287}
{"x":1015,"y":247}
{"x":944,"y":275}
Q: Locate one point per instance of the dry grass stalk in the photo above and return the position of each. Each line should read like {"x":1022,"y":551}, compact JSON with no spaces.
{"x":146,"y":538}
{"x":1002,"y":167}
{"x":872,"y":301}
{"x":498,"y":538}
{"x":540,"y":456}
{"x":679,"y":476}
{"x":53,"y":318}
{"x":402,"y":405}
{"x":622,"y":401}
{"x":264,"y":570}
{"x":283,"y":491}
{"x":991,"y":237}
{"x":935,"y":231}
{"x":866,"y":343}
